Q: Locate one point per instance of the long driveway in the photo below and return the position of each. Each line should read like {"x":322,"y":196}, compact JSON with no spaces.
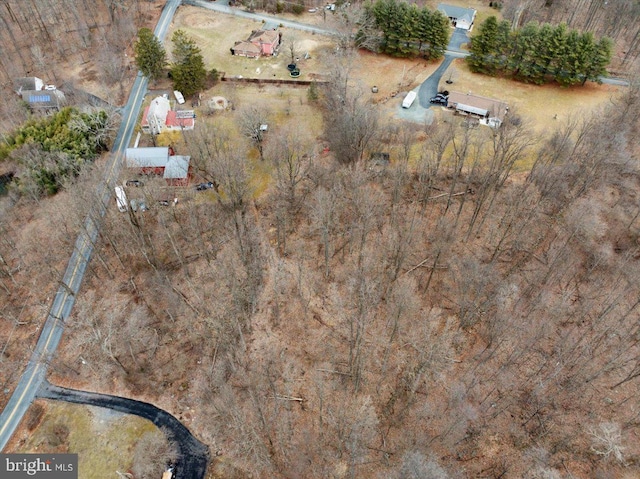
{"x":193,"y":456}
{"x":65,"y":297}
{"x":429,"y":87}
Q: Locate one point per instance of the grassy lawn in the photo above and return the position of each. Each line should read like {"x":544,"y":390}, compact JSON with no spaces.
{"x":104,"y":440}
{"x":544,"y":106}
{"x":216,"y":33}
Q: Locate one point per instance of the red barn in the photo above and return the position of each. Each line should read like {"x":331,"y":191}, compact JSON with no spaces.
{"x":175,"y":169}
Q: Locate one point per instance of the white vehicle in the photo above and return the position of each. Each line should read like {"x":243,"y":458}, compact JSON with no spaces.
{"x":121,"y":199}
{"x":178,"y":96}
{"x":409,"y":99}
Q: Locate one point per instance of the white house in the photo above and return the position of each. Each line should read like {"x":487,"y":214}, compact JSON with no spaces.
{"x":459,"y":17}
{"x":159,"y":117}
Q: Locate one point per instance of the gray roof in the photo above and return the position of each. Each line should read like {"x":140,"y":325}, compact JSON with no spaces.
{"x":26,"y":83}
{"x":472,"y":109}
{"x":43,"y":98}
{"x":151,"y":157}
{"x":177,"y":167}
{"x":457,"y":12}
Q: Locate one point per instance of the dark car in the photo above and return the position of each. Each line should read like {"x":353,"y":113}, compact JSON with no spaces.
{"x":439,"y":100}
{"x":134,"y":183}
{"x":204,"y":186}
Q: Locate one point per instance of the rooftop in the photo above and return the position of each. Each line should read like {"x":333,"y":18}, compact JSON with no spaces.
{"x":496,"y":108}
{"x":456,"y":12}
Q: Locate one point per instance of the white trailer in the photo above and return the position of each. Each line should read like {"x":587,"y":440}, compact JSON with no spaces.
{"x":409,"y":99}
{"x":121,"y":199}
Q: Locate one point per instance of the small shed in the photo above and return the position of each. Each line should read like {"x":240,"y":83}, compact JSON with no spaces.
{"x":459,"y":17}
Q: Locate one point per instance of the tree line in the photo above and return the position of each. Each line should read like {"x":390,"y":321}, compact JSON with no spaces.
{"x":539,"y":53}
{"x":403,"y":30}
{"x":54,"y":148}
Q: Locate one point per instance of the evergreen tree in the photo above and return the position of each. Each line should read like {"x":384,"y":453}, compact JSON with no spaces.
{"x":597,"y":67}
{"x":408,"y":30}
{"x":525,"y":46}
{"x":151,"y":56}
{"x":484,"y":46}
{"x":187,"y":70}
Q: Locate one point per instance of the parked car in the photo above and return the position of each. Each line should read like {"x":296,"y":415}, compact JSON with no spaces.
{"x":204,"y":186}
{"x":163,"y":202}
{"x":439,"y":100}
{"x":179,"y":97}
{"x":134,"y":183}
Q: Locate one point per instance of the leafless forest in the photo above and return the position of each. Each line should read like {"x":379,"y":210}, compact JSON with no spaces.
{"x":449,"y":315}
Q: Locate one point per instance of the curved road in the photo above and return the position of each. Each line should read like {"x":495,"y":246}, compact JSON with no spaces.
{"x":193,"y":456}
{"x":65,"y":297}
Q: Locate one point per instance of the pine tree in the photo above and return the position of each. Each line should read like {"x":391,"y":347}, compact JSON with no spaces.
{"x":151,"y":56}
{"x":483,"y":47}
{"x":187,"y":70}
{"x":523,"y":57}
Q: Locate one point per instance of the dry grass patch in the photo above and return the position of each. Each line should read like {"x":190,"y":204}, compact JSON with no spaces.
{"x":216,"y":33}
{"x":104,"y":440}
{"x":539,"y":104}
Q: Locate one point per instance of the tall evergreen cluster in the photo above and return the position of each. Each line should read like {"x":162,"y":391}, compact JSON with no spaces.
{"x":409,"y":31}
{"x":187,"y":70}
{"x":539,"y":53}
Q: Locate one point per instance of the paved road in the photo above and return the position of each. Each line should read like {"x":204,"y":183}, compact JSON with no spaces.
{"x":222,"y":8}
{"x":64,"y":299}
{"x":193,"y":456}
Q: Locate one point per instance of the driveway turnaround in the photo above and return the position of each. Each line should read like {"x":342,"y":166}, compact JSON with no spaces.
{"x":193,"y":456}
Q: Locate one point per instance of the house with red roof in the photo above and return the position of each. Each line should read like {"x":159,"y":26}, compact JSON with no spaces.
{"x":159,"y":117}
{"x":259,"y":43}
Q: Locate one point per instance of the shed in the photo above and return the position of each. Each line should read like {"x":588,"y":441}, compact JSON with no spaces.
{"x":176,"y":172}
{"x":459,"y":17}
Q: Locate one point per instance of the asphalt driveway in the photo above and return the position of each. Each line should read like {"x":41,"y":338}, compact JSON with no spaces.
{"x":429,"y":87}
